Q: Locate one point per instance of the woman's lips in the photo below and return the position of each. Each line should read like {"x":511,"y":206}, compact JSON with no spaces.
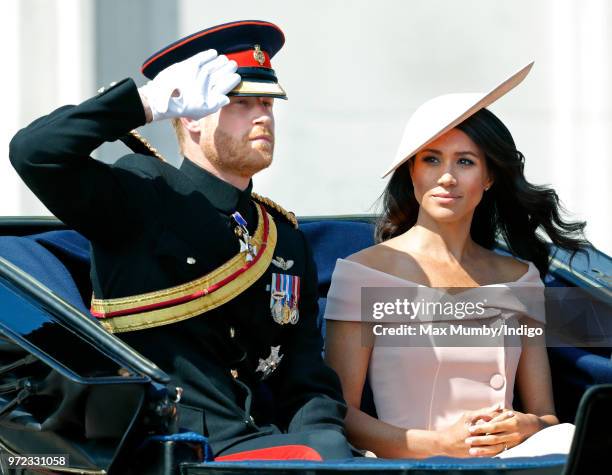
{"x":445,"y":197}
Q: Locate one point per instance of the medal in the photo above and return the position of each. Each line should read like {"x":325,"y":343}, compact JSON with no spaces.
{"x":286,"y":315}
{"x":284,"y":298}
{"x":277,"y":307}
{"x":294,"y":313}
{"x":246,"y":246}
{"x":267,"y":366}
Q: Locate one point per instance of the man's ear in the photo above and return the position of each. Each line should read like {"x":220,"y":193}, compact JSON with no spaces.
{"x":192,"y":126}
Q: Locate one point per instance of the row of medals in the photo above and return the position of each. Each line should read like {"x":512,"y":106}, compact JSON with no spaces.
{"x":284,"y":312}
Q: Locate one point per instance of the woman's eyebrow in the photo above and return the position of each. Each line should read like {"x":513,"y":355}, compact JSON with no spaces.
{"x":467,"y":152}
{"x":463,"y":152}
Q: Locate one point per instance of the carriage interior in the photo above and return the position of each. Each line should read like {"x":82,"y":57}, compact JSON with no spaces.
{"x":35,"y":251}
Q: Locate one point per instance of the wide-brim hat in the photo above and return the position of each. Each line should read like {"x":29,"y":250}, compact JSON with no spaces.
{"x":440,"y":114}
{"x":251,"y":43}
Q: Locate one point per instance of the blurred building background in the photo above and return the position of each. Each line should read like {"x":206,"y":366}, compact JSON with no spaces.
{"x":354,"y":72}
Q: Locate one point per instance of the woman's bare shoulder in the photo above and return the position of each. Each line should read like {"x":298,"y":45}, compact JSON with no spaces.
{"x":507,"y":268}
{"x":370,"y":256}
{"x":391,"y":259}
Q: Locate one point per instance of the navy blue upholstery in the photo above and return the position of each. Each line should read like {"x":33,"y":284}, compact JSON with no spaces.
{"x":28,"y":254}
{"x":331,"y":240}
{"x":574,"y":370}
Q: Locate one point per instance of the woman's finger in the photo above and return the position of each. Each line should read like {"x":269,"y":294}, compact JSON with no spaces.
{"x":487,"y":451}
{"x":503,"y":416}
{"x":484,"y":414}
{"x":491,"y":427}
{"x":485,"y":440}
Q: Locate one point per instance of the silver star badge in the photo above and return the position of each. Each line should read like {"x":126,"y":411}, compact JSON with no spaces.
{"x":268,"y":365}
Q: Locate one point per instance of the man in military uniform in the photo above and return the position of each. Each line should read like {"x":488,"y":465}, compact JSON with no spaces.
{"x":214,"y":284}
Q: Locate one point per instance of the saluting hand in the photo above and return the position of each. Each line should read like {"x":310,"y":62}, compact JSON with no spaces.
{"x":193,"y":88}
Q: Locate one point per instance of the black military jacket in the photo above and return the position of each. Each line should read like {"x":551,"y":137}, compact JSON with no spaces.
{"x":151,"y":227}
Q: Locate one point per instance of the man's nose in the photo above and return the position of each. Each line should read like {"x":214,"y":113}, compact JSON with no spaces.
{"x":262,"y":116}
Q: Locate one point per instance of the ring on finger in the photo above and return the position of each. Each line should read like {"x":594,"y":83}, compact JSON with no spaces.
{"x":505,"y":446}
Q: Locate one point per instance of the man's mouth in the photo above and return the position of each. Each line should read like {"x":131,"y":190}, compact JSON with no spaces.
{"x":267,"y":138}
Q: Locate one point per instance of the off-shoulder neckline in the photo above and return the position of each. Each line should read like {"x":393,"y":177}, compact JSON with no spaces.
{"x":529,"y":270}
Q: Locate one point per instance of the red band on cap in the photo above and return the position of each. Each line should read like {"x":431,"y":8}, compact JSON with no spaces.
{"x":246,"y":59}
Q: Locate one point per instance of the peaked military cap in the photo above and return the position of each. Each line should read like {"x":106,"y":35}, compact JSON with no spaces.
{"x":251,"y":43}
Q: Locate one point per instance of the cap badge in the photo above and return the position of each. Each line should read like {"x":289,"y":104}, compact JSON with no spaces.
{"x":258,"y":55}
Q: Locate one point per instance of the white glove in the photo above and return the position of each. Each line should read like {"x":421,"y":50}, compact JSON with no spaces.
{"x":193,"y":88}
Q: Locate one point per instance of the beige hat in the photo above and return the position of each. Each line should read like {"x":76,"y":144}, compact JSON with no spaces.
{"x":440,"y":114}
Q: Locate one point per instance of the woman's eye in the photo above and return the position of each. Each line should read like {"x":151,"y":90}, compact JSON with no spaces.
{"x":430,"y":159}
{"x":466,"y":161}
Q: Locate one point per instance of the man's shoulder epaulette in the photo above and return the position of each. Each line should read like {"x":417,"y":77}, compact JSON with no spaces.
{"x":138,"y":144}
{"x":277,"y":209}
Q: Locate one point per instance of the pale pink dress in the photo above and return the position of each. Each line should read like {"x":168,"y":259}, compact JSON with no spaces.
{"x":430,"y":387}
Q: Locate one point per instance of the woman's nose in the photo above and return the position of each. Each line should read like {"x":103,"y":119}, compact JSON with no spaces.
{"x":447,"y":179}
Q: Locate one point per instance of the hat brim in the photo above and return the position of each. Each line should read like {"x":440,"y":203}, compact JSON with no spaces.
{"x":411,"y":145}
{"x":258,"y":89}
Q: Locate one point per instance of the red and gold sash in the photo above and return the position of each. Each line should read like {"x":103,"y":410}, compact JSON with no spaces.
{"x":187,"y":300}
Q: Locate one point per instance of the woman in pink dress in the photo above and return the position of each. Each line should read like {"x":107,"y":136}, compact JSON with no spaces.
{"x":457,"y":185}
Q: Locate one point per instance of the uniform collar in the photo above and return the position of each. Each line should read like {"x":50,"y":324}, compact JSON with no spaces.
{"x":223,"y":196}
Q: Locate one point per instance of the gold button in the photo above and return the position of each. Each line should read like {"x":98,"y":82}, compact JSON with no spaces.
{"x":234,"y":373}
{"x":232,"y":332}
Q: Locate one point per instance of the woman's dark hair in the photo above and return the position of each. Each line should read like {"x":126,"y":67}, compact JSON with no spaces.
{"x":512,"y":209}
